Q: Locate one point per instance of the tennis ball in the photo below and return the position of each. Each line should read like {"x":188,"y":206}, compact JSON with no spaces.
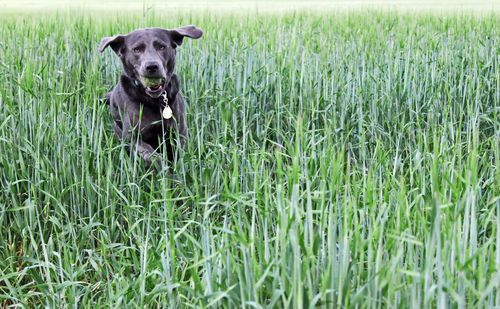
{"x":151,"y":81}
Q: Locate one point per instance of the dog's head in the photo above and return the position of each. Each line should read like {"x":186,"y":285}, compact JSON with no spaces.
{"x":148,"y":55}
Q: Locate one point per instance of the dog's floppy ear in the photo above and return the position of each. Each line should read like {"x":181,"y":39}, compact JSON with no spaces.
{"x":116,"y":42}
{"x":178,"y":34}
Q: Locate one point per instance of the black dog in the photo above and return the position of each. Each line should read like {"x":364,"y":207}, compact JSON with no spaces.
{"x":146,"y":104}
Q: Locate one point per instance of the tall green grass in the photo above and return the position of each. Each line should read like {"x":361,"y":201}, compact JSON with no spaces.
{"x":333,"y":160}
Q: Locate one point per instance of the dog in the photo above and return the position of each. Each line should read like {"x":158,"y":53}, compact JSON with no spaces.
{"x":146,"y":104}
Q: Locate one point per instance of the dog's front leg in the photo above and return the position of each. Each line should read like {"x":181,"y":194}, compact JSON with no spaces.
{"x":145,"y":151}
{"x":182,"y":131}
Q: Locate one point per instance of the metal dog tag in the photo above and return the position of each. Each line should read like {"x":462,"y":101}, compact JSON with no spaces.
{"x":167,"y":112}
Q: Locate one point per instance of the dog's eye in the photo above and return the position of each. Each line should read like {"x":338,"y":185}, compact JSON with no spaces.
{"x":161,"y":47}
{"x":137,"y":50}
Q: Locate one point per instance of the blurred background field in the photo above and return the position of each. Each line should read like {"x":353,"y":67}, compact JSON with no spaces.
{"x":27,"y":6}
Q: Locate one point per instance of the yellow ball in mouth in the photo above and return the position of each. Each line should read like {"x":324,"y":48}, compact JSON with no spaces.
{"x":151,"y":81}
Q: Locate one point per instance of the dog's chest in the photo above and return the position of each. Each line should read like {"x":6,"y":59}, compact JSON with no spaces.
{"x":151,"y":120}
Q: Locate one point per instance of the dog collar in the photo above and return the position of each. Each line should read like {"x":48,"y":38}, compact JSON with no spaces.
{"x":167,"y":111}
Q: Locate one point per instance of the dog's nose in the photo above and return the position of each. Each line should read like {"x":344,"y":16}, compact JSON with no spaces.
{"x":151,"y":67}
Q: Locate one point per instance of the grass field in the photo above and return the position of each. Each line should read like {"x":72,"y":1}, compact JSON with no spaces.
{"x":334,"y":159}
{"x":231,"y":6}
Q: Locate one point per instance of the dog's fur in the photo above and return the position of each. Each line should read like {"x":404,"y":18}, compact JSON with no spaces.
{"x":137,"y":109}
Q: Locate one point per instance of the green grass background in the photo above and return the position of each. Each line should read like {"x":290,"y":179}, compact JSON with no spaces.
{"x":334,"y":159}
{"x":231,"y":6}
